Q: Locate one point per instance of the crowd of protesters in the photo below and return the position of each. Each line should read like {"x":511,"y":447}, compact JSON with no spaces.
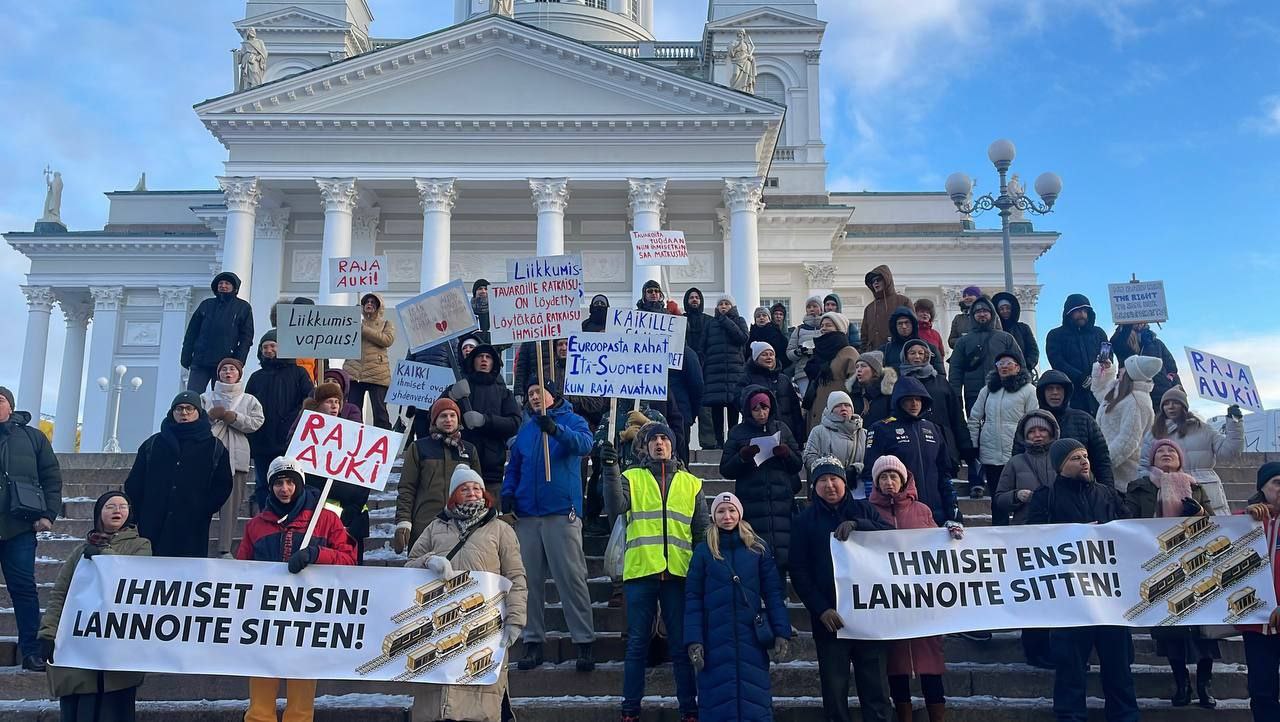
{"x":874,"y":422}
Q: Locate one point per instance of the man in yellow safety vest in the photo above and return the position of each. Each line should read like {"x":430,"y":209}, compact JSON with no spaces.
{"x":666,"y":515}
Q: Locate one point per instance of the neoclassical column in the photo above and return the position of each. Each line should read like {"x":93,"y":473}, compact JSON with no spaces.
{"x":268,"y":267}
{"x":951,"y":296}
{"x":1028,"y":297}
{"x":107,"y":301}
{"x":550,"y":198}
{"x":645,"y":200}
{"x":437,"y":197}
{"x":722,"y":222}
{"x":742,"y":197}
{"x":67,"y":414}
{"x":173,"y":326}
{"x":40,"y":300}
{"x":822,"y":280}
{"x":242,"y":195}
{"x":340,"y":196}
{"x":364,"y":230}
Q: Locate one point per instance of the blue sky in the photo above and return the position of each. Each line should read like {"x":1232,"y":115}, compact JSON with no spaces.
{"x":1162,"y":117}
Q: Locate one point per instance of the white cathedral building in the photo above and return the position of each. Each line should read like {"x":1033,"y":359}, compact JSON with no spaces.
{"x":555,"y":129}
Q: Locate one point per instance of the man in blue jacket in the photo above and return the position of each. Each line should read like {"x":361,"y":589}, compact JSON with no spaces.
{"x":920,"y":444}
{"x":547,"y":514}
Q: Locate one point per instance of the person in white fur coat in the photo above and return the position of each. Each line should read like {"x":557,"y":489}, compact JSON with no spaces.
{"x":234,"y":415}
{"x":1125,"y":413}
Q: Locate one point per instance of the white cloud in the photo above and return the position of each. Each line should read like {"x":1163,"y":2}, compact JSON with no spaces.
{"x":1267,"y":122}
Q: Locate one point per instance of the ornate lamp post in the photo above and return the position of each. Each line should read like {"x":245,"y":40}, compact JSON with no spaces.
{"x":114,"y":393}
{"x":1001,"y":152}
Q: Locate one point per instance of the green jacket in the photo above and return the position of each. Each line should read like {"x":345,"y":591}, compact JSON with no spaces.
{"x":65,"y":681}
{"x":25,"y":452}
{"x":1140,"y":499}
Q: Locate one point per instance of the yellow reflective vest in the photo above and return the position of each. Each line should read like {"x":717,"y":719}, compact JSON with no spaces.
{"x":660,"y":537}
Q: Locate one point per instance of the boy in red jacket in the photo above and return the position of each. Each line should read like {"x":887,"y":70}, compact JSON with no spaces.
{"x":275,"y":535}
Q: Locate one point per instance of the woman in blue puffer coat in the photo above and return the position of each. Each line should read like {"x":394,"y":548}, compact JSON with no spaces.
{"x":732,"y":578}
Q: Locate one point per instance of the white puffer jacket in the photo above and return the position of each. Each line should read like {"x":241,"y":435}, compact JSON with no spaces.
{"x":993,"y":420}
{"x":1124,"y":426}
{"x":234,"y":436}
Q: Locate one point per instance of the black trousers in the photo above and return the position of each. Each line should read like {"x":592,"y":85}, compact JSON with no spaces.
{"x":718,"y":414}
{"x":115,"y":706}
{"x":1262,"y":654}
{"x":991,"y":475}
{"x":1071,"y":650}
{"x":377,"y":400}
{"x":201,"y":378}
{"x":868,"y":659}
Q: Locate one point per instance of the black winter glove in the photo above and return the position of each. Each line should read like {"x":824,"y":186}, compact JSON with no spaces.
{"x":546,"y":424}
{"x":1233,"y":411}
{"x":749,"y":452}
{"x":91,"y":551}
{"x":1190,"y":507}
{"x":508,"y":505}
{"x":302,"y":558}
{"x":608,"y":454}
{"x":46,"y":650}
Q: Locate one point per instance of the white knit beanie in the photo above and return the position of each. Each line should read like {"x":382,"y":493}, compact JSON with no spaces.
{"x":759,"y":347}
{"x":461,"y":475}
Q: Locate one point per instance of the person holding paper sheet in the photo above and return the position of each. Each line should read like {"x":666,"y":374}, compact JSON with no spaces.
{"x":235,"y":414}
{"x":349,"y":501}
{"x":762,"y":370}
{"x":181,"y":476}
{"x":723,"y":364}
{"x":920,"y":444}
{"x":767,"y":489}
{"x":800,"y":344}
{"x":547,"y":513}
{"x":275,"y":535}
{"x":1138,"y":339}
{"x":895,"y":498}
{"x":490,"y":415}
{"x":832,"y":509}
{"x":429,"y":463}
{"x":371,"y":373}
{"x":88,"y":695}
{"x":1262,"y":642}
{"x":468,"y":536}
{"x":830,"y":367}
{"x":1203,"y":445}
{"x":1077,"y":498}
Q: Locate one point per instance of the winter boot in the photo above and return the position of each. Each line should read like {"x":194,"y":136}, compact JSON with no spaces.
{"x":905,"y":711}
{"x":937,"y":712}
{"x":1182,"y":686}
{"x":532,"y":657}
{"x":1204,"y":679}
{"x":586,"y":662}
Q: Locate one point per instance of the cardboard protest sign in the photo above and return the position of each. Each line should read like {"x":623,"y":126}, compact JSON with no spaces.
{"x":255,"y":619}
{"x":645,"y":323}
{"x":1133,"y":573}
{"x":541,"y":300}
{"x":436,"y":316}
{"x":659,"y":248}
{"x":357,"y":273}
{"x":307,"y":331}
{"x":417,"y":384}
{"x":1142,"y":302}
{"x":616,"y":364}
{"x":1223,"y":380}
{"x":343,"y":450}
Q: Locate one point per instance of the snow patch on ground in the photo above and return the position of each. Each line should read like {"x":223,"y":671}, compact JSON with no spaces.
{"x":383,"y":553}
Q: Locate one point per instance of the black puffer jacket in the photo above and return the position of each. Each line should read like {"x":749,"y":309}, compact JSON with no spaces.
{"x":1020,"y":331}
{"x":26,"y":453}
{"x":1151,"y":345}
{"x":723,"y":358}
{"x":893,"y":349}
{"x":281,"y":385}
{"x":1076,"y":501}
{"x":490,"y":397}
{"x":695,"y":336}
{"x":767,"y":492}
{"x":976,"y":353}
{"x":1073,"y":349}
{"x":788,"y":400}
{"x":1074,"y":424}
{"x":221,"y":327}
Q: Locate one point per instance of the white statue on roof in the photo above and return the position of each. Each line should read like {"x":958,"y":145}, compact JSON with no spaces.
{"x":52,"y":196}
{"x":506,"y":8}
{"x":251,"y":61}
{"x":743,"y":56}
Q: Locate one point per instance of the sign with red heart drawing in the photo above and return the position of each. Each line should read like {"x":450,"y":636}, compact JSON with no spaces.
{"x":436,"y":316}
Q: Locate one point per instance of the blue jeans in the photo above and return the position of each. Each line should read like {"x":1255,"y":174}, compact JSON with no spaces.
{"x":18,"y":563}
{"x":643,"y":597}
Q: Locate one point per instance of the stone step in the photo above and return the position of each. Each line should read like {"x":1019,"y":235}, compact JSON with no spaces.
{"x":364,"y":707}
{"x":788,"y":680}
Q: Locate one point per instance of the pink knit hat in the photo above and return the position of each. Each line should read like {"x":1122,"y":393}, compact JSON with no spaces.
{"x":726,"y":497}
{"x":885,"y":463}
{"x":1182,"y":456}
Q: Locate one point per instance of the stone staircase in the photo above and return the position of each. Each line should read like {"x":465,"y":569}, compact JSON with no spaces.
{"x":986,"y":681}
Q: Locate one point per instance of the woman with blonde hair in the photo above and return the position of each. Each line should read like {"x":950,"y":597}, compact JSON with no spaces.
{"x":735,"y":618}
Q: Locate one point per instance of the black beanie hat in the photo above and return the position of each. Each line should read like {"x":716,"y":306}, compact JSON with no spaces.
{"x":102,"y":501}
{"x":186,"y":397}
{"x":1266,"y":472}
{"x":1060,"y":450}
{"x":651,"y":284}
{"x":479,"y":284}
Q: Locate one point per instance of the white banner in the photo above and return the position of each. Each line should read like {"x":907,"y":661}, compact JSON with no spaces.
{"x":659,"y":248}
{"x":1223,"y":380}
{"x":255,"y":619}
{"x":1141,"y":302}
{"x":345,"y":451}
{"x":436,"y":316}
{"x":307,"y":331}
{"x":646,"y":323}
{"x":616,"y":365}
{"x":1133,"y":573}
{"x":357,"y":273}
{"x":417,"y":384}
{"x":541,"y":300}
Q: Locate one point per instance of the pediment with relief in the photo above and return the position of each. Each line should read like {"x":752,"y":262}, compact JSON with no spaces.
{"x":292,"y":18}
{"x":767,"y":19}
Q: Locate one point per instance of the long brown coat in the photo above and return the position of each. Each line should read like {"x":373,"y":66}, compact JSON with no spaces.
{"x":65,"y":681}
{"x":841,"y":371}
{"x":875,"y":317}
{"x":377,"y":334}
{"x":492,"y":548}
